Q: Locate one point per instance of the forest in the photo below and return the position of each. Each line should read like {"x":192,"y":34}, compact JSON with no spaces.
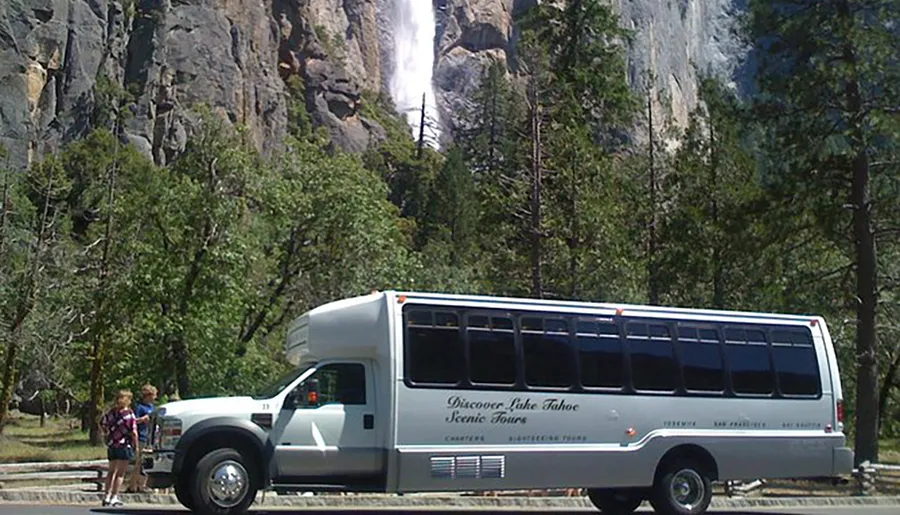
{"x":561,"y":184}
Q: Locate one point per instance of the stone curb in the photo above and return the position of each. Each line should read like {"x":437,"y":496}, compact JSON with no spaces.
{"x":375,"y":501}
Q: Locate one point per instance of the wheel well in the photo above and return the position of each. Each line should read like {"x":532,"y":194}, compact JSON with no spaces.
{"x":242,"y":443}
{"x":692,"y":452}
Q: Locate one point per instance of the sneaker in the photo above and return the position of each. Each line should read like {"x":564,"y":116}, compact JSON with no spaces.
{"x":115,"y":501}
{"x":105,"y":501}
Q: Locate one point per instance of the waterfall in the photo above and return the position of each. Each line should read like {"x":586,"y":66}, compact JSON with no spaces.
{"x":414,"y":29}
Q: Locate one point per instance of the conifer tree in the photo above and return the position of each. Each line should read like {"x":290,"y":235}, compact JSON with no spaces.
{"x":829,"y":86}
{"x":708,"y":237}
{"x":573,"y":69}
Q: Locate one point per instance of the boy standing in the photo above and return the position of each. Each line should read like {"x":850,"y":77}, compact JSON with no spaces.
{"x":142,"y":412}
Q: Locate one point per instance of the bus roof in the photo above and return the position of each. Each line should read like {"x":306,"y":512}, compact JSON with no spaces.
{"x":633,"y":309}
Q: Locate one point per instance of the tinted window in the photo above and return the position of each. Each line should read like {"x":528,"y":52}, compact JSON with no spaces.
{"x":549,"y":360}
{"x":434,"y":347}
{"x":342,"y":383}
{"x":652,"y":359}
{"x":748,"y":360}
{"x":492,"y":350}
{"x":701,"y":359}
{"x":599,"y":353}
{"x":795,"y":362}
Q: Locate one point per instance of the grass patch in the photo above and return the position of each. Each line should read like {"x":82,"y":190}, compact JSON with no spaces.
{"x":61,"y":439}
{"x":889,"y":451}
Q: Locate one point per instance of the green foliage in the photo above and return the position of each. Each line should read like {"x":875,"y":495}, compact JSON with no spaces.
{"x":584,"y":46}
{"x":190,"y":274}
{"x":451,"y":215}
{"x":828,"y":84}
{"x":300,"y":125}
{"x":544,"y":171}
{"x":109,"y":97}
{"x":711,"y":235}
{"x":334,"y":44}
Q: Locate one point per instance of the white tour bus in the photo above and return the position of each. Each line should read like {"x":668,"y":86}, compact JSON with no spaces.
{"x":415,"y":392}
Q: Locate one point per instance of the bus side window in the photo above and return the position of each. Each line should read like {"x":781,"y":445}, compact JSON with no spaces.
{"x":653,"y":365}
{"x":795,"y":362}
{"x":749,"y":363}
{"x":600,"y":356}
{"x":434,"y":347}
{"x":492,"y":350}
{"x":701,"y":359}
{"x":548,"y":352}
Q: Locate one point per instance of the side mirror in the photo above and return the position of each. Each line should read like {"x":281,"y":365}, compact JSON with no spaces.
{"x":312,"y":392}
{"x":305,"y":396}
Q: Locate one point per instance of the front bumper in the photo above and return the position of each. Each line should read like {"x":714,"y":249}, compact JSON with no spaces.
{"x":158,"y":467}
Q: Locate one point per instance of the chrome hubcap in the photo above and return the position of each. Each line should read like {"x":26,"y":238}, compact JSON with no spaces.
{"x":227,"y":484}
{"x":687,"y":489}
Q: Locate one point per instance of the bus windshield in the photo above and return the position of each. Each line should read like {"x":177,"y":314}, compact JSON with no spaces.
{"x":282,"y":382}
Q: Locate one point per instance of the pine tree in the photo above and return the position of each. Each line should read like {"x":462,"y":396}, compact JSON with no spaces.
{"x":573,"y":68}
{"x":828,"y":80}
{"x":492,"y":139}
{"x":708,"y":235}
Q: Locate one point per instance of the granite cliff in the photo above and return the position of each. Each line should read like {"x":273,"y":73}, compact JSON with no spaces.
{"x":60,"y":58}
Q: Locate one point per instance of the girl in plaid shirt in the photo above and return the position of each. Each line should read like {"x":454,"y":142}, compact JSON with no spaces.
{"x":120,"y":427}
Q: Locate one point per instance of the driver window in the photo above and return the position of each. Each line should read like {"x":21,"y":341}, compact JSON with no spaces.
{"x":342,"y":383}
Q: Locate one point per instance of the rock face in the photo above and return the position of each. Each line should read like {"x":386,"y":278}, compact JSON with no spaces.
{"x":333,"y":46}
{"x":670,"y":40}
{"x":676,"y":40}
{"x":470,"y":34}
{"x":58,"y":57}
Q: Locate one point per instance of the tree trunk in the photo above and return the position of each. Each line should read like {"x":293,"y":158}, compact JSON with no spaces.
{"x":536,"y":180}
{"x":652,"y":283}
{"x":4,"y":214}
{"x":421,"y":139}
{"x":10,"y":371}
{"x":177,"y":344}
{"x":95,"y":404}
{"x":575,"y":236}
{"x":866,"y":448}
{"x":182,"y":377}
{"x":98,"y":349}
{"x":867,"y":375}
{"x":718,"y":269}
{"x":27,"y":297}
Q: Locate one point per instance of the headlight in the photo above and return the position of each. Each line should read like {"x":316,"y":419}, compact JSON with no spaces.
{"x":169,"y":433}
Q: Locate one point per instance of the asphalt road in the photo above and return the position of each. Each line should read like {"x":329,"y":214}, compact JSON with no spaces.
{"x":26,"y":509}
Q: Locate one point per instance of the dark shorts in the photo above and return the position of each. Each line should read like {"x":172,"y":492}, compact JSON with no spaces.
{"x":120,"y":453}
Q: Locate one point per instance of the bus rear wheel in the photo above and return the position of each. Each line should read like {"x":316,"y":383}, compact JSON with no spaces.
{"x":682,"y":487}
{"x":615,"y":501}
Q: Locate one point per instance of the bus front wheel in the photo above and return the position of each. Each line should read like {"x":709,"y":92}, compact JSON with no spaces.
{"x":682,"y":487}
{"x":615,"y":501}
{"x":183,"y":492}
{"x":223,"y":483}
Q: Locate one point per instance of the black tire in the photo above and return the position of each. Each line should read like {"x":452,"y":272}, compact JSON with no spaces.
{"x":234,"y":466}
{"x":615,"y":501}
{"x":682,"y":487}
{"x":183,"y":492}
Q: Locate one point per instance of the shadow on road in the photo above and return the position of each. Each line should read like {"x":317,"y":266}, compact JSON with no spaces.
{"x":309,"y":511}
